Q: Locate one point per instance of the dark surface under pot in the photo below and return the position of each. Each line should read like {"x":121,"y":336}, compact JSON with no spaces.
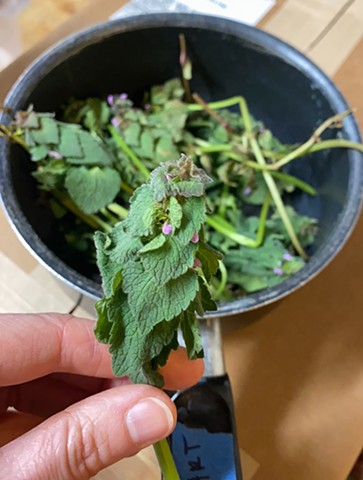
{"x":284,"y":89}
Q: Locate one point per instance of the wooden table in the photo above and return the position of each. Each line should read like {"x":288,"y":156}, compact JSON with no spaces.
{"x":296,"y":367}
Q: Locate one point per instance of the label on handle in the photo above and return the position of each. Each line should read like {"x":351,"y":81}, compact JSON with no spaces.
{"x":204,"y":442}
{"x":200,"y":455}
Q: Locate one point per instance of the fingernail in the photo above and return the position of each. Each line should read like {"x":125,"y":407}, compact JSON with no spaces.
{"x":148,"y":421}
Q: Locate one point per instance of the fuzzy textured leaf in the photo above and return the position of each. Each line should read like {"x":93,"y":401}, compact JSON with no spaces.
{"x":92,"y":188}
{"x":143,"y":212}
{"x":194,"y":215}
{"x":148,"y":299}
{"x":170,"y":260}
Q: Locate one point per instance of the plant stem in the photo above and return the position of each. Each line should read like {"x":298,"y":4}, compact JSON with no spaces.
{"x":317,"y":147}
{"x":223,"y":282}
{"x":333,"y":143}
{"x":6,"y":132}
{"x":126,"y":187}
{"x":136,"y":161}
{"x":185,"y":65}
{"x":222,"y":226}
{"x":315,"y":137}
{"x":229,"y":102}
{"x":222,"y":205}
{"x":296,"y":182}
{"x":275,"y":194}
{"x":111,"y":218}
{"x":118,"y":210}
{"x":215,"y":148}
{"x":166,"y":461}
{"x":205,"y":106}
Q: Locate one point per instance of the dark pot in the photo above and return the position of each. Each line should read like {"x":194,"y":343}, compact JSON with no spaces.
{"x":283,"y":88}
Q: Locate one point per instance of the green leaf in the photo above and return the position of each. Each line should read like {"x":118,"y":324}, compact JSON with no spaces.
{"x":209,"y":258}
{"x":175,"y":212}
{"x":137,"y":348}
{"x":220,"y":134}
{"x":96,"y":114}
{"x":132,"y":135}
{"x":146,"y":145}
{"x":191,"y":334}
{"x":142,"y":214}
{"x":207,"y":303}
{"x":39,"y":152}
{"x":113,"y":250}
{"x":108,"y":267}
{"x":160,"y":94}
{"x":189,"y":188}
{"x":122,"y":246}
{"x":159,"y":185}
{"x":129,"y":349}
{"x":259,"y":191}
{"x":165,"y":335}
{"x":257,"y":268}
{"x":268,"y":142}
{"x":165,"y":149}
{"x":169,"y":261}
{"x":48,"y":132}
{"x":69,"y":145}
{"x":154,"y":244}
{"x":94,"y":151}
{"x":31,"y":121}
{"x":92,"y":188}
{"x":51,"y":175}
{"x":147,"y":299}
{"x":194,"y":215}
{"x":173,"y":118}
{"x":305,"y":227}
{"x":103,"y":326}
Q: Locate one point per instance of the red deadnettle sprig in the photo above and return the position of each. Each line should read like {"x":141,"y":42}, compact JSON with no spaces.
{"x":155,"y":268}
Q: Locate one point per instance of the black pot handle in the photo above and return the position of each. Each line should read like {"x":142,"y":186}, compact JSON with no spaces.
{"x":204,"y":442}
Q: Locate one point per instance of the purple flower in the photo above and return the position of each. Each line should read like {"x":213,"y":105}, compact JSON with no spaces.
{"x":286,"y":256}
{"x":195,"y":238}
{"x":197,"y":263}
{"x":147,"y":106}
{"x":247,"y":191}
{"x":115,"y":121}
{"x":54,"y":154}
{"x":278,"y":271}
{"x":170,"y":176}
{"x":110,"y":100}
{"x":167,"y":229}
{"x":123,"y":96}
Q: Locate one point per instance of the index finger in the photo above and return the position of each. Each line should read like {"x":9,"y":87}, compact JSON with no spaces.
{"x":32,"y":346}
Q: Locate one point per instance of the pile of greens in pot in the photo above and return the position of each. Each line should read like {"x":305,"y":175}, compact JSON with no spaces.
{"x":90,"y":160}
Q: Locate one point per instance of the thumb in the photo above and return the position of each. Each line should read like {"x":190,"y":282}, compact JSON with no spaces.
{"x":90,"y":435}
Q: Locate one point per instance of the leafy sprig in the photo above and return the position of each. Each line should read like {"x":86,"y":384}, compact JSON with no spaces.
{"x":155,"y":268}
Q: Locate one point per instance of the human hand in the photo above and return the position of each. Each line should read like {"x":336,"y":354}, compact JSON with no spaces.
{"x":52,"y":368}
